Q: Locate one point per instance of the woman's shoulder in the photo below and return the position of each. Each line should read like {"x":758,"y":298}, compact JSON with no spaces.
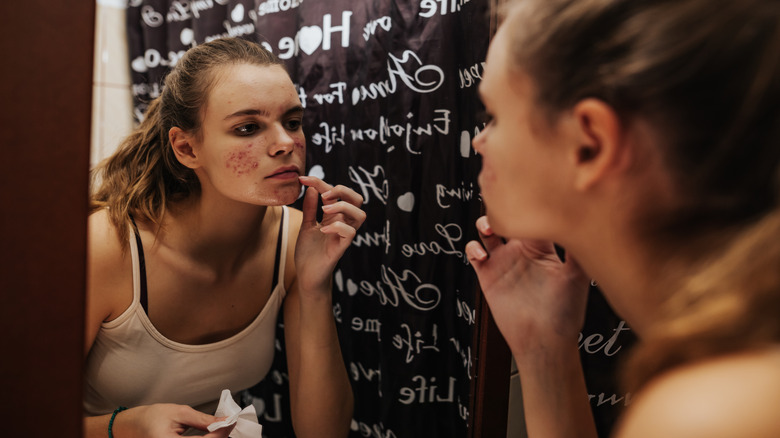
{"x":724,"y":396}
{"x":102,"y":237}
{"x":109,"y":260}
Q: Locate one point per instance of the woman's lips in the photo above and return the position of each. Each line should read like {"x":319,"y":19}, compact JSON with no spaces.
{"x":289,"y":172}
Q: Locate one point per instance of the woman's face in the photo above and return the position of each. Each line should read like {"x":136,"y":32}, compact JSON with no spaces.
{"x":252,"y":148}
{"x":520,"y":179}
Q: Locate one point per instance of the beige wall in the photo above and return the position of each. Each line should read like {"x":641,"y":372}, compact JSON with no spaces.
{"x":112,"y":102}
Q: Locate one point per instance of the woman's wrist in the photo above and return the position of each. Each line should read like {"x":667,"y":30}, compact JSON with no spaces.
{"x":542,"y":351}
{"x":316,"y":293}
{"x":112,"y":420}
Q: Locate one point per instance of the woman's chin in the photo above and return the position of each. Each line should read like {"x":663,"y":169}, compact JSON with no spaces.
{"x":284,"y":196}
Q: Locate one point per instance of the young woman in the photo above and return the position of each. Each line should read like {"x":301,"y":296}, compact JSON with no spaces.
{"x":644,"y":138}
{"x":192,"y":253}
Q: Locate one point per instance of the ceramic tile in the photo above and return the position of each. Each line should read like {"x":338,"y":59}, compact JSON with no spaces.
{"x":96,"y":134}
{"x":114,"y":52}
{"x":114,"y":119}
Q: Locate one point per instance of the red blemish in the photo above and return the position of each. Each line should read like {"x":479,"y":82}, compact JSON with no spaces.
{"x":241,"y":162}
{"x":299,"y":144}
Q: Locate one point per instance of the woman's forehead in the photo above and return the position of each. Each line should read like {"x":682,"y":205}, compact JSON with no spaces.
{"x":264,"y":88}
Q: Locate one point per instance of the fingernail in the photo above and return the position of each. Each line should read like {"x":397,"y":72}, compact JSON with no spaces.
{"x":327,"y":194}
{"x":327,"y":207}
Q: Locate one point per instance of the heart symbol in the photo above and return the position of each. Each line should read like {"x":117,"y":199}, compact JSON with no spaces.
{"x":339,"y":279}
{"x":465,"y":144}
{"x":139,"y":65}
{"x":309,"y":38}
{"x":317,"y":171}
{"x":351,"y":288}
{"x":238,"y":13}
{"x":187,"y":36}
{"x":406,"y":202}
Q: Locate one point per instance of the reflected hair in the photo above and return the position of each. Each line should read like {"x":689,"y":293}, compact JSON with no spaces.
{"x":706,"y":75}
{"x":143,"y":176}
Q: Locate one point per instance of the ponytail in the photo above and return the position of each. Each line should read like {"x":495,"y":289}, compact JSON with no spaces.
{"x":729,"y":306}
{"x":141,"y":176}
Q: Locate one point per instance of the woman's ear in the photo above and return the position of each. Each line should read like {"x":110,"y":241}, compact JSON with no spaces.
{"x":601,"y":149}
{"x":181,"y":142}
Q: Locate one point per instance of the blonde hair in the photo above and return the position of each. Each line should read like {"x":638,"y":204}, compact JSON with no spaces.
{"x":143,"y":177}
{"x":731,"y":305}
{"x":706,"y":75}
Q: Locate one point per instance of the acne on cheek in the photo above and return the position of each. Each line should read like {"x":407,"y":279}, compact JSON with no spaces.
{"x":241,"y":162}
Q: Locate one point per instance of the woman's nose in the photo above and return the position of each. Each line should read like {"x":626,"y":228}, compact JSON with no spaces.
{"x":478,"y":141}
{"x":283,"y":142}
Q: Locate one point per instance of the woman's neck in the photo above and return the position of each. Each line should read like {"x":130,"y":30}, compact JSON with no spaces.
{"x":215,"y":231}
{"x":635,"y":276}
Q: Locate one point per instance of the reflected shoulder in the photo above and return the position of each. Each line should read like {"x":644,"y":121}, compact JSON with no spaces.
{"x":104,"y":246}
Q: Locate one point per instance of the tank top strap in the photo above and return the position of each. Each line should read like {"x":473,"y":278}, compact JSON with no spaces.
{"x":142,"y":268}
{"x":281,"y":249}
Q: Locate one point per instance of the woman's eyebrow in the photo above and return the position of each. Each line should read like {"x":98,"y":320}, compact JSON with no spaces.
{"x":248,"y":112}
{"x":294,"y":110}
{"x":257,"y":112}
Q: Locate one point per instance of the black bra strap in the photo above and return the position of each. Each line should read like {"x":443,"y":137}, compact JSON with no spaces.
{"x":142,"y":265}
{"x":278,"y":275}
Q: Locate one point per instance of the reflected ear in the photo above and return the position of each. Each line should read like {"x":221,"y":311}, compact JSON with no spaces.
{"x":601,"y":149}
{"x":181,"y":142}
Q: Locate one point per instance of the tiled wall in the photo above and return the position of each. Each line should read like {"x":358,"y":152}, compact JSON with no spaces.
{"x":112,"y":102}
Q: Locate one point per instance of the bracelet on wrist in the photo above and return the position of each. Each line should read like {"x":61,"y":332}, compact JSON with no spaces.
{"x":111,"y":421}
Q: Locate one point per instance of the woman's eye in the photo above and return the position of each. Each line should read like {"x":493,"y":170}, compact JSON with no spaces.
{"x":247,"y":129}
{"x":294,"y":125}
{"x":486,"y":118}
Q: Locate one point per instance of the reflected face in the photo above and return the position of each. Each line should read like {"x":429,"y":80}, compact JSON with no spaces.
{"x":252,"y":148}
{"x":518,"y":179}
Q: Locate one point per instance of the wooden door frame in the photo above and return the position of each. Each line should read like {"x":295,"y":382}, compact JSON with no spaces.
{"x":46,"y":98}
{"x":489,"y":405}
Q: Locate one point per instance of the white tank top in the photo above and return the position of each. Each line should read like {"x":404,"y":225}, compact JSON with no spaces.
{"x":132,"y":364}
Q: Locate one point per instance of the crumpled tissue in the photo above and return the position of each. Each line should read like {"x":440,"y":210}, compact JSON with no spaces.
{"x":244,"y":419}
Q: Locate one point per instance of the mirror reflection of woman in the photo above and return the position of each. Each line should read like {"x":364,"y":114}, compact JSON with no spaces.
{"x":192,"y":254}
{"x":644,"y":138}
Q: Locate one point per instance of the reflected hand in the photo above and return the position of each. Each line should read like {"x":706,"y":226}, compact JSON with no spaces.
{"x":164,"y":421}
{"x":321,"y":245}
{"x":536,"y":299}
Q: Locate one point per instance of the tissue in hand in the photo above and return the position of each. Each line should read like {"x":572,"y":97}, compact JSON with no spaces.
{"x":244,"y":419}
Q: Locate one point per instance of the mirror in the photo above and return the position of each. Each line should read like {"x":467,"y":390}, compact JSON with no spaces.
{"x":391,"y":107}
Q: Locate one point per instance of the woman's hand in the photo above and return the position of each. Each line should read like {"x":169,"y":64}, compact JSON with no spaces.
{"x":534,"y":297}
{"x":164,"y":421}
{"x":321,"y":245}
